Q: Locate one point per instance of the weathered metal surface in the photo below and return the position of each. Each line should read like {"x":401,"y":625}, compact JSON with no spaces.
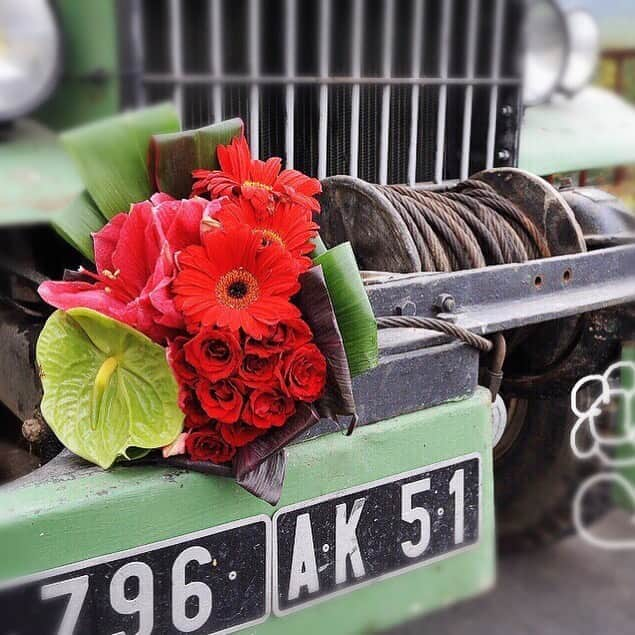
{"x":507,"y":296}
{"x":65,"y":513}
{"x":20,"y":388}
{"x":605,"y":221}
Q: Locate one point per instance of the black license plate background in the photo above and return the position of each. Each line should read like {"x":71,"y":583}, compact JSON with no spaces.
{"x":239,"y":579}
{"x":380,"y":532}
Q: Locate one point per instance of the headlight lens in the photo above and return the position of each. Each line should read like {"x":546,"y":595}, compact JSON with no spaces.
{"x":29,"y":55}
{"x":584,"y":42}
{"x":546,"y":49}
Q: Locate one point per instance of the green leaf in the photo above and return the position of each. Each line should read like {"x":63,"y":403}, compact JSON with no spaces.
{"x":317,"y":309}
{"x":78,"y":222}
{"x":108,"y":389}
{"x":173,"y":157}
{"x":111,"y":155}
{"x":354,"y":314}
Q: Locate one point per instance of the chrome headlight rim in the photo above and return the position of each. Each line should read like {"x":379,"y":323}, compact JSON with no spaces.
{"x":554,"y":87}
{"x":594,"y":60}
{"x":49,"y":85}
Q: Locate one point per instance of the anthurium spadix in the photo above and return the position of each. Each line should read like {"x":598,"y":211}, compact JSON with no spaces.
{"x":108,"y":389}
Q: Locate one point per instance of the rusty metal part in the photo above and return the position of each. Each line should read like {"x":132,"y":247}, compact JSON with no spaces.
{"x":494,"y":371}
{"x":605,"y":221}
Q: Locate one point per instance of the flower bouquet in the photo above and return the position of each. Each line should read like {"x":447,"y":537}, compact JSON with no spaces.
{"x":215,"y":327}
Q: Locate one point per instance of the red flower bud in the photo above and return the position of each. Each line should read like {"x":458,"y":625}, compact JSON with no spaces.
{"x":239,"y":433}
{"x":304,"y":373}
{"x":283,"y":336}
{"x":222,"y":400}
{"x":183,"y":370}
{"x":268,"y":407}
{"x":258,"y":371}
{"x":195,"y":416}
{"x":214,"y":353}
{"x":208,"y":445}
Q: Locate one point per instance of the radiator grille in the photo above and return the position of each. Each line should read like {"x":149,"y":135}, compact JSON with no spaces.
{"x":392,"y":91}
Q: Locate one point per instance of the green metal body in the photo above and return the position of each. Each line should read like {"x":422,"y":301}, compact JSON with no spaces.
{"x":89,"y":84}
{"x":89,"y":512}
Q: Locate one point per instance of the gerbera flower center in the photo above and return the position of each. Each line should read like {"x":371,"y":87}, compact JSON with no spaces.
{"x":269,"y":236}
{"x":237,"y":289}
{"x":262,"y":186}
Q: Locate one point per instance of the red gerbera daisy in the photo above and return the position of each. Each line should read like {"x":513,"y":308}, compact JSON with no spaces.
{"x":289,"y":225}
{"x":260,"y":182}
{"x":233,"y":281}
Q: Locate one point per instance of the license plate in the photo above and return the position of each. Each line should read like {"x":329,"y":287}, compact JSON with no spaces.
{"x":212,"y":581}
{"x":341,"y":541}
{"x":226,"y":578}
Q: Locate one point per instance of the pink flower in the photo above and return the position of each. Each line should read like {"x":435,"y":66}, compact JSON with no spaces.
{"x":134,"y":255}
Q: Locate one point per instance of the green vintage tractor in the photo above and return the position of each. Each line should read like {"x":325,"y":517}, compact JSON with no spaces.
{"x":413,"y":115}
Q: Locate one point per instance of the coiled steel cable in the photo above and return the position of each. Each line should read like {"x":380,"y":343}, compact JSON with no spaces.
{"x":467,"y":227}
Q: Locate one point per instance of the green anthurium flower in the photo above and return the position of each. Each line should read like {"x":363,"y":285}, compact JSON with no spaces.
{"x":107,"y":388}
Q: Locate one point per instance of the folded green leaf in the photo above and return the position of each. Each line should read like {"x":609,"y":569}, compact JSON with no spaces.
{"x":173,"y":157}
{"x":78,"y":222}
{"x":111,"y":155}
{"x":354,"y":314}
{"x":107,"y":387}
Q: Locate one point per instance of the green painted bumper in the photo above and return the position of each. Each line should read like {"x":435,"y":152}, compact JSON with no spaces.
{"x":72,"y":516}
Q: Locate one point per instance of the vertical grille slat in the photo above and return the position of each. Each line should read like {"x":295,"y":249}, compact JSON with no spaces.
{"x":499,"y":14}
{"x":216,"y":33}
{"x":392,"y":91}
{"x":470,"y":70}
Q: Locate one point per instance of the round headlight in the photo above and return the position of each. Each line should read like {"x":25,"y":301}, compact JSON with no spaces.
{"x":584,"y":42}
{"x":546,"y":50}
{"x":30,"y":51}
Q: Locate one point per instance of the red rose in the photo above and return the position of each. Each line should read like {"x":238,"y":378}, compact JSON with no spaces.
{"x":183,"y":370}
{"x":267,"y":408}
{"x":283,"y":336}
{"x":214,"y":353}
{"x":208,"y":445}
{"x":304,"y":373}
{"x":195,"y":416}
{"x":239,"y":433}
{"x":258,"y":371}
{"x":221,"y":400}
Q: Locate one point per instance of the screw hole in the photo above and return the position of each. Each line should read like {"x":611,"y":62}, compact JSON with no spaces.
{"x":538,"y":281}
{"x":567,"y":275}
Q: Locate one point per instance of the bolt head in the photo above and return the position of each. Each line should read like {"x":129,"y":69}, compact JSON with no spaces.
{"x":504,"y":155}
